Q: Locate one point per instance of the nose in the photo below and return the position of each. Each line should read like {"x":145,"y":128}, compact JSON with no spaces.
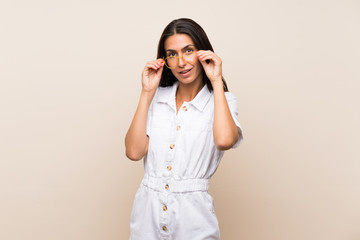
{"x":182,"y":62}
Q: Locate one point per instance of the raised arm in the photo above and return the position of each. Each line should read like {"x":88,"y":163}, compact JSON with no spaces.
{"x":136,"y":140}
{"x":225,"y":130}
{"x":224,"y":127}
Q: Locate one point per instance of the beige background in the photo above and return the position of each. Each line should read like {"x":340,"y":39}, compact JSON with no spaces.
{"x":70,"y":82}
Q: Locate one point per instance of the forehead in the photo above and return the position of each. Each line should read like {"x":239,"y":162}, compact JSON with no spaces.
{"x":178,"y":41}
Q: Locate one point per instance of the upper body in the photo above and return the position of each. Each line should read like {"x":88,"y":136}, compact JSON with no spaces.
{"x":182,"y":61}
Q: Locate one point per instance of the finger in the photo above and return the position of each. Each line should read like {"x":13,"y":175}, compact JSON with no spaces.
{"x":159,"y":72}
{"x":206,"y":57}
{"x":203,"y":62}
{"x":209,"y":56}
{"x":205,"y":53}
{"x":202,"y":54}
{"x":160,"y":60}
{"x":158,"y":63}
{"x":152,"y":65}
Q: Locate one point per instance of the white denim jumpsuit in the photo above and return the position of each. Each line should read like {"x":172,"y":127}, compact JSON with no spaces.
{"x":172,"y":202}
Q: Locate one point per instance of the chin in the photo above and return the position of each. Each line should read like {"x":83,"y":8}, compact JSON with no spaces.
{"x":185,"y":80}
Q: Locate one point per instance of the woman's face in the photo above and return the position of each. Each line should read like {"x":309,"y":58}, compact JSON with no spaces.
{"x":181,"y":56}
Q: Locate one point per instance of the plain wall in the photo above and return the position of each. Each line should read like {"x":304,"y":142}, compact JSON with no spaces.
{"x":70,"y":81}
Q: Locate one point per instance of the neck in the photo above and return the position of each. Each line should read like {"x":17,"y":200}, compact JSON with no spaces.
{"x":187,"y":92}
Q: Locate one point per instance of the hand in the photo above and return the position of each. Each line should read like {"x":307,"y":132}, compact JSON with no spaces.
{"x":211,"y":63}
{"x":151,"y":75}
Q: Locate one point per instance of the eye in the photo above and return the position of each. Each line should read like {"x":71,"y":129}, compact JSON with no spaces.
{"x":189,"y":50}
{"x":171,"y":54}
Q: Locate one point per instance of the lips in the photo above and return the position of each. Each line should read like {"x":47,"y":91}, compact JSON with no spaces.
{"x":185,"y":71}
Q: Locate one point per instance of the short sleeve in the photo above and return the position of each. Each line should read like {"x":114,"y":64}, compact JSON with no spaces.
{"x":149,"y":118}
{"x":231,"y":100}
{"x":150,"y":115}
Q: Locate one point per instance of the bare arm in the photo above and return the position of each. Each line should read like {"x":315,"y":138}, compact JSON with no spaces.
{"x":224,"y":128}
{"x":136,"y":140}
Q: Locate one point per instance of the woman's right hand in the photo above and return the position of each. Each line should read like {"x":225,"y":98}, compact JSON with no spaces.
{"x":151,"y":75}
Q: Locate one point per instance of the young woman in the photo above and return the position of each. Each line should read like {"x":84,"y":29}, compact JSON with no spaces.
{"x":185,"y":120}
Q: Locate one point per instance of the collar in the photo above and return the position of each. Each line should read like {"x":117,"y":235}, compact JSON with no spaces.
{"x":202,"y":98}
{"x":168,"y":95}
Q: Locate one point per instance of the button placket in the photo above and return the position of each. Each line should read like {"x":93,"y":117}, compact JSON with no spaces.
{"x":169,"y":162}
{"x":164,"y":217}
{"x":164,"y":221}
{"x":169,"y":168}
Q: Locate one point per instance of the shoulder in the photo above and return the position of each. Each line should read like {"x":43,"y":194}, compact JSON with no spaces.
{"x":163,"y":94}
{"x":230,"y":97}
{"x":163,"y":90}
{"x":231,"y":100}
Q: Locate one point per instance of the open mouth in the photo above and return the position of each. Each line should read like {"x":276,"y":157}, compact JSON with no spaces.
{"x":185,"y":72}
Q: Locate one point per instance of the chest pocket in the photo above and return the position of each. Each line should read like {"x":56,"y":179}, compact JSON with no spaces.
{"x":200,"y":124}
{"x":161,"y":123}
{"x":162,"y":118}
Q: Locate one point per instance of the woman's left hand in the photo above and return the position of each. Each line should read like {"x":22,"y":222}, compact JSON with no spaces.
{"x":213,"y":68}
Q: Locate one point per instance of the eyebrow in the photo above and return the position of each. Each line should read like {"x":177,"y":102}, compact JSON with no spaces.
{"x":172,"y":50}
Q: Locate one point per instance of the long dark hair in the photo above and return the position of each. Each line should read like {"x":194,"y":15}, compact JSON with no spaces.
{"x":200,"y":39}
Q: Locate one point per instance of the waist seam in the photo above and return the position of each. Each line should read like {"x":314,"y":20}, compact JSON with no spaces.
{"x":176,"y":186}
